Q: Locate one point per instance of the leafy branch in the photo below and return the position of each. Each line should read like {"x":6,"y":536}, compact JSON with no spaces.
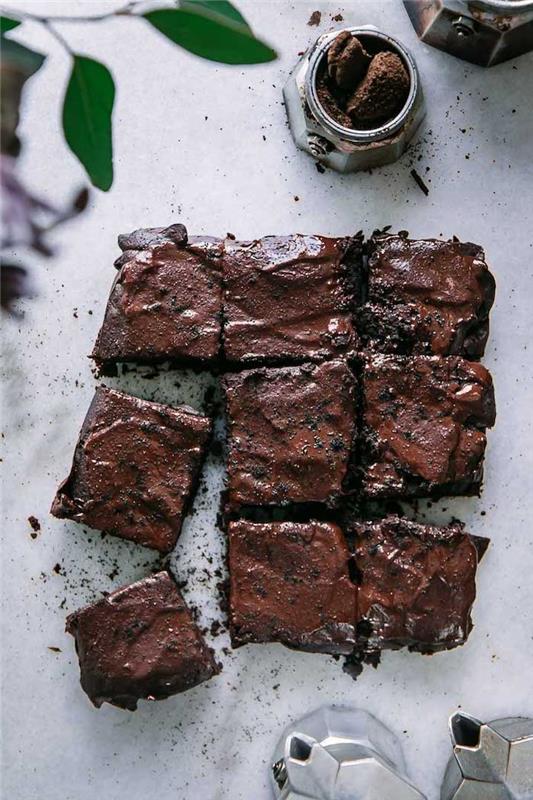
{"x":211,"y":29}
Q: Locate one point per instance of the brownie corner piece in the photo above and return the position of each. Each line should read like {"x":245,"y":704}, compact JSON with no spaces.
{"x":426,"y":296}
{"x":140,"y":642}
{"x":291,"y":583}
{"x":290,"y":299}
{"x":135,"y":468}
{"x":416,"y":584}
{"x":166,"y":300}
{"x":290,"y":434}
{"x":423,"y":428}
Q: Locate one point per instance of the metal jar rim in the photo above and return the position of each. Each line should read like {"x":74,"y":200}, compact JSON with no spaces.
{"x":350,"y":134}
{"x":506,"y":7}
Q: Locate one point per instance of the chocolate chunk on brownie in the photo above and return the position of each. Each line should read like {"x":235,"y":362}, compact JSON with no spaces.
{"x":426,"y":296}
{"x":290,"y":583}
{"x":166,"y":301}
{"x":290,"y":432}
{"x":289,"y":299}
{"x":424,"y":419}
{"x":140,"y":642}
{"x":416,"y":584}
{"x":135,"y":469}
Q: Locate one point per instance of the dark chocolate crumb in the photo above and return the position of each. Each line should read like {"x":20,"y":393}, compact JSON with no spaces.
{"x":420,"y":183}
{"x":315,"y":18}
{"x":35,"y":524}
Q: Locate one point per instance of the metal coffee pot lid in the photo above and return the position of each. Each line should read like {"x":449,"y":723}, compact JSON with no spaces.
{"x":485,"y":32}
{"x":491,"y":761}
{"x":340,"y":753}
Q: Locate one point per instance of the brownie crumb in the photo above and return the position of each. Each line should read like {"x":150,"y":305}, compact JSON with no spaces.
{"x":315,"y":18}
{"x":419,"y":181}
{"x":338,"y":18}
{"x":320,"y":167}
{"x":35,"y":524}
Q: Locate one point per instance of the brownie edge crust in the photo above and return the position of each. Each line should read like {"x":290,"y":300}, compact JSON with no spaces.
{"x":140,"y":642}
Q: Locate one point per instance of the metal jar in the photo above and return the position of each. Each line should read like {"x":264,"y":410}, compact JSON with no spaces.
{"x":346,"y":149}
{"x":484,"y":32}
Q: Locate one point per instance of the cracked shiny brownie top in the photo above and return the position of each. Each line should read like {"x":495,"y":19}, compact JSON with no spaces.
{"x":290,"y":583}
{"x":416,"y":584}
{"x":289,"y":299}
{"x":140,"y":642}
{"x":426,"y":296}
{"x":423,"y":425}
{"x":166,"y":301}
{"x":135,"y":468}
{"x":290,"y":433}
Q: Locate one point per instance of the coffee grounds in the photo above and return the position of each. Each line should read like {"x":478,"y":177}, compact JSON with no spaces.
{"x":358,"y":90}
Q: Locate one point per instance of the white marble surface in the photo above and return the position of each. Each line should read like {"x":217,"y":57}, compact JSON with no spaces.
{"x":209,"y":146}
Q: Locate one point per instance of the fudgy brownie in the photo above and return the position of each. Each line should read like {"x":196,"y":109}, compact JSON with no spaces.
{"x":140,"y":642}
{"x":416,"y":584}
{"x":290,"y":583}
{"x":135,"y":468}
{"x":166,"y":301}
{"x":423,"y":425}
{"x":290,"y":432}
{"x":289,"y":299}
{"x":426,"y":296}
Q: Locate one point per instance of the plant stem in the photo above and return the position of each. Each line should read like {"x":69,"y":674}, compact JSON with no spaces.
{"x":124,"y":11}
{"x":63,"y":42}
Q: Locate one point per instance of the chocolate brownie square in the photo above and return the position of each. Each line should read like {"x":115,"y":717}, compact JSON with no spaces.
{"x":290,"y":433}
{"x":140,"y":642}
{"x":166,"y":301}
{"x":423,"y":425}
{"x":135,"y":469}
{"x":289,"y":299}
{"x":290,"y":583}
{"x":416,"y":584}
{"x":426,"y":296}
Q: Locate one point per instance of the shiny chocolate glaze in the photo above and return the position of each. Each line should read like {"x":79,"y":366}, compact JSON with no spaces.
{"x":135,"y":468}
{"x":166,"y":301}
{"x":290,"y":433}
{"x":426,"y":296}
{"x":423,"y":425}
{"x":288,"y":299}
{"x":417,"y":584}
{"x":290,"y":583}
{"x":140,"y":642}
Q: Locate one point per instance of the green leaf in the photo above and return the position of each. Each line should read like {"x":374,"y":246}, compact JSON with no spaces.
{"x":215,"y":37}
{"x":7,"y":24}
{"x":217,"y":7}
{"x":87,"y":111}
